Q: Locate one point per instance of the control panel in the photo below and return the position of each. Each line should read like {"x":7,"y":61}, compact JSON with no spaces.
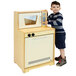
{"x":44,"y":17}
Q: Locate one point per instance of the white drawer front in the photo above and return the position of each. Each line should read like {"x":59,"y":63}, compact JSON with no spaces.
{"x":38,"y":50}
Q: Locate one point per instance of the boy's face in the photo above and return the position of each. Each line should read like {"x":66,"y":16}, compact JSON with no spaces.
{"x":55,"y":8}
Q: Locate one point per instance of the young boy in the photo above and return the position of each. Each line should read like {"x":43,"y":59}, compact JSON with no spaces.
{"x":55,"y":20}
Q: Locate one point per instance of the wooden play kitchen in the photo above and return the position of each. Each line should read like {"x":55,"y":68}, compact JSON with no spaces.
{"x":34,"y":41}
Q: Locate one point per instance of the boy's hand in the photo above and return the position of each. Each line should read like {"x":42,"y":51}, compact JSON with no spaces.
{"x":46,"y":22}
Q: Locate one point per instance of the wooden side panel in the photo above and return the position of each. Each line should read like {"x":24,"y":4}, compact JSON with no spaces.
{"x":15,"y":35}
{"x":54,"y":47}
{"x":18,"y":44}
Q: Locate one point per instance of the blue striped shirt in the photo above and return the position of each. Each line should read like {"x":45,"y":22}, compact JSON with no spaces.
{"x":55,"y":20}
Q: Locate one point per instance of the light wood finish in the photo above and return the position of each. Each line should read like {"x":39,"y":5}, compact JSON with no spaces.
{"x":38,"y":66}
{"x":21,"y":12}
{"x":37,"y":29}
{"x":19,"y":44}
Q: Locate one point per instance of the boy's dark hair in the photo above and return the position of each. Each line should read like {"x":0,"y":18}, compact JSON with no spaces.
{"x":55,"y":2}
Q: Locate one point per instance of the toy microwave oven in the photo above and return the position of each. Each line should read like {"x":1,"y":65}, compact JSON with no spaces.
{"x":32,"y":19}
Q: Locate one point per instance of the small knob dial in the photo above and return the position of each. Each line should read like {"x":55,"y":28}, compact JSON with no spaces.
{"x":29,"y":35}
{"x":33,"y":34}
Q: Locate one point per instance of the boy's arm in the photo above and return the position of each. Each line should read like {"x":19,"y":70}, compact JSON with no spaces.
{"x":49,"y":19}
{"x":58,"y":21}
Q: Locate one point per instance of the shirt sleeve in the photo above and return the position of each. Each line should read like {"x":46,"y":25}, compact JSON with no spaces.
{"x":58,"y":21}
{"x":49,"y":19}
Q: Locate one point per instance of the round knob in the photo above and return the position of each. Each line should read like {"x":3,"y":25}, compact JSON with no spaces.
{"x":33,"y":34}
{"x":29,"y":35}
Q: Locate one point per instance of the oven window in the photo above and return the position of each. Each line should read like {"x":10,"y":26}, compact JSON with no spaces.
{"x":30,"y":20}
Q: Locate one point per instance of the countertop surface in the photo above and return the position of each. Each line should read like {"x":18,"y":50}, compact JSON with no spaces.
{"x":37,"y":29}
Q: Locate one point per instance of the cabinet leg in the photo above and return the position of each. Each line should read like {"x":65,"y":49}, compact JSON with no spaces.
{"x":14,"y":60}
{"x":52,"y":63}
{"x":25,"y":70}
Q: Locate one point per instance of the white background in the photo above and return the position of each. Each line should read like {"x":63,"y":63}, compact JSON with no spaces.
{"x":7,"y":65}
